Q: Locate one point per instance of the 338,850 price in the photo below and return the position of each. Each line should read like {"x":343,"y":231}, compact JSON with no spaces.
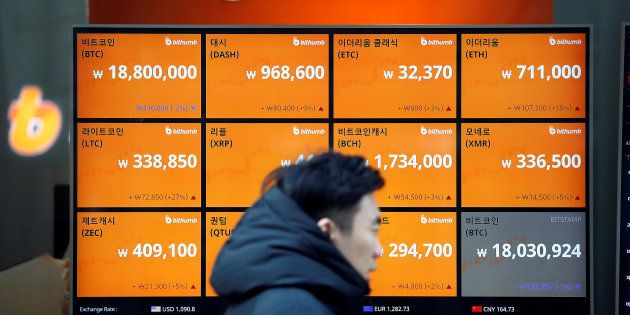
{"x":156,"y":161}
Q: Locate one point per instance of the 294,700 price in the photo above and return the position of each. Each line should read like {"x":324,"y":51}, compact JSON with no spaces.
{"x":400,"y":250}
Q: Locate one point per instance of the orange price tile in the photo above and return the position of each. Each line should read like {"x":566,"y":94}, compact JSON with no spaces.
{"x":219,"y":226}
{"x":138,"y":254}
{"x":267,"y":75}
{"x":138,"y":76}
{"x":523,"y":165}
{"x":524,"y":75}
{"x":138,"y":165}
{"x":419,"y":255}
{"x":239,"y":157}
{"x":395,"y":76}
{"x":418,"y":161}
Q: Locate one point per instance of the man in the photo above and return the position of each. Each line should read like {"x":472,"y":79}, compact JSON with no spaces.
{"x":308,"y":245}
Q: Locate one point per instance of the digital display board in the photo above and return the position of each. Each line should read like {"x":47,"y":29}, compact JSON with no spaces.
{"x":481,"y":134}
{"x":285,"y":75}
{"x":152,"y":254}
{"x":535,"y":254}
{"x":239,"y":156}
{"x":395,"y":75}
{"x":523,"y":76}
{"x":523,"y":165}
{"x":417,"y":161}
{"x":623,"y":208}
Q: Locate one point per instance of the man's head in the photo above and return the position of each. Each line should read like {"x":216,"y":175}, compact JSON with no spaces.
{"x":337,"y":192}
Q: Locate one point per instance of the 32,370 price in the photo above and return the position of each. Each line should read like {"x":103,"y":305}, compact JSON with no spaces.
{"x":418,"y":73}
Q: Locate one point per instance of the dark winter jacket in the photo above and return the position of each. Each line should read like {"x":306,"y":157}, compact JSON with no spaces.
{"x":278,"y":261}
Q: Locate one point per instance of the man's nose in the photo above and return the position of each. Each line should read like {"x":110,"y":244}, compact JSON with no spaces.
{"x":378,"y":250}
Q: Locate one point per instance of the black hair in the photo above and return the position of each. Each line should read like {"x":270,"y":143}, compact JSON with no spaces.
{"x":329,"y":185}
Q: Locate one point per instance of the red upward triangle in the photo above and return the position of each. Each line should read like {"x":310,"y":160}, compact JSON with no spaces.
{"x":193,"y":287}
{"x":448,"y":197}
{"x":321,"y":109}
{"x":448,"y":287}
{"x":193,"y":198}
{"x":577,"y":197}
{"x":448,"y":109}
{"x":577,"y":108}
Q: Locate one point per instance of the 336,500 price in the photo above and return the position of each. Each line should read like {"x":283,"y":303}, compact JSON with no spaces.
{"x":540,"y":161}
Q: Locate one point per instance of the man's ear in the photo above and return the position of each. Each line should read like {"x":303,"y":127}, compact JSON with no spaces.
{"x":327,"y":226}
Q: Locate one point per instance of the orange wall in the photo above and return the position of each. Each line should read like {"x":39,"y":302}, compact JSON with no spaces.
{"x":327,"y":12}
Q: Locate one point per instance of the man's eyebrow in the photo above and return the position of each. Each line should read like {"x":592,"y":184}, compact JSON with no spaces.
{"x":377,"y":220}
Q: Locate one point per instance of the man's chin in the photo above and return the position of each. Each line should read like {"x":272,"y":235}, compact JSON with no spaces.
{"x":367,"y":275}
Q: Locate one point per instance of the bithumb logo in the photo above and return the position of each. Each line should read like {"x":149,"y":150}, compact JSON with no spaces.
{"x":564,"y":41}
{"x":307,"y":42}
{"x":179,"y":42}
{"x":35,"y":123}
{"x":434,"y":131}
{"x":179,"y":131}
{"x":305,"y":131}
{"x":170,"y":220}
{"x":435,"y":42}
{"x":425,"y":220}
{"x":564,"y":131}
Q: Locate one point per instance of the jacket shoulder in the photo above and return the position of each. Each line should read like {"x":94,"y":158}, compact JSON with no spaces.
{"x":280,"y":301}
